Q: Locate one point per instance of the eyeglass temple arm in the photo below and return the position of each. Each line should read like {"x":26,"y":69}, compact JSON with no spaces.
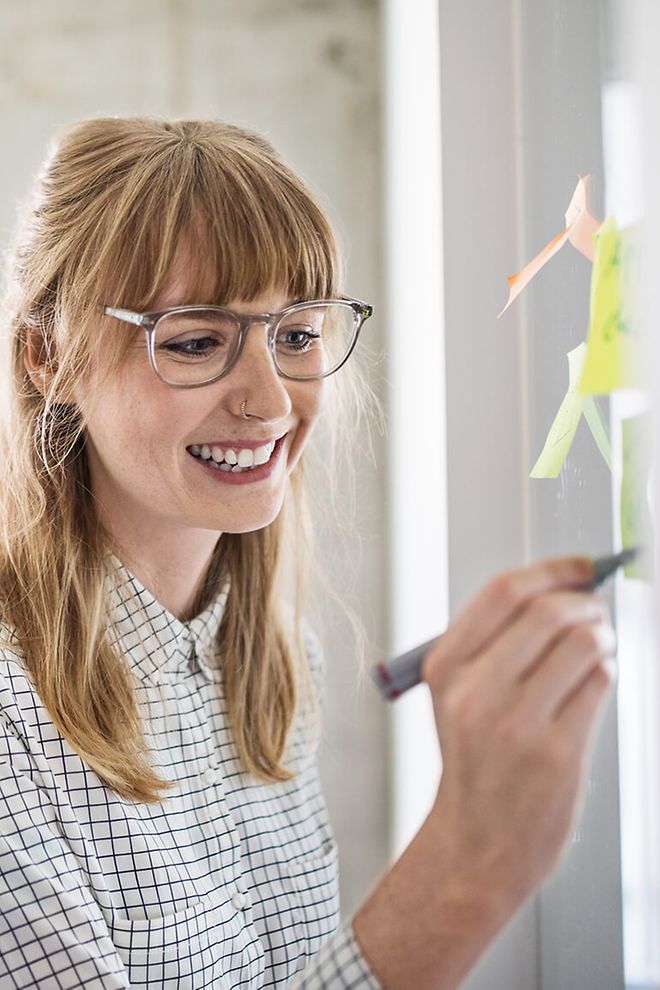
{"x":124,"y":314}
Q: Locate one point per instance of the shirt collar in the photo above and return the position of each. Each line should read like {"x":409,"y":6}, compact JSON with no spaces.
{"x":153,"y":640}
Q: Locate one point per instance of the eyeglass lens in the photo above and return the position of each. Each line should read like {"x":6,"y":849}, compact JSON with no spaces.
{"x":195,"y":347}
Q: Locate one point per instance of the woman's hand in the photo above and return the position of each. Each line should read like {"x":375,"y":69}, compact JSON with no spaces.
{"x":518,"y":683}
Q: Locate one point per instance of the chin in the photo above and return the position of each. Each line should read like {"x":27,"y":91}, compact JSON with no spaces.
{"x":246,"y":523}
{"x":248,"y":527}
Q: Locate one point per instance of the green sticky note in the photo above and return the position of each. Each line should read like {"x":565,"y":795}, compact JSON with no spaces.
{"x":598,"y":429}
{"x":636,"y":523}
{"x":562,"y":431}
{"x":612,"y":343}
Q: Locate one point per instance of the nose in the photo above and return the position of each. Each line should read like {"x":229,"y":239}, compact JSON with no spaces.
{"x":257,"y":378}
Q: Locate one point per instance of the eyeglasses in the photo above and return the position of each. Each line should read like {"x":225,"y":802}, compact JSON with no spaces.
{"x":191,"y":346}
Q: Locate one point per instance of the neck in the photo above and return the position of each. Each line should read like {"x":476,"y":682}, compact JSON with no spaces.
{"x":171,"y":565}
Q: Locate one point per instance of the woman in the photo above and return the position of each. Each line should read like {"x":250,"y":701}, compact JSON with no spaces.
{"x":175,"y":313}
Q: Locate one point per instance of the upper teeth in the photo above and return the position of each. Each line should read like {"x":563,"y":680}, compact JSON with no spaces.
{"x":243,"y":457}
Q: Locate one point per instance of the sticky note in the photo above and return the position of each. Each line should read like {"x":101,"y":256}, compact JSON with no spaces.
{"x":635,"y":512}
{"x":598,"y":429}
{"x":612,"y":360}
{"x":580,"y":227}
{"x":522,"y":278}
{"x":580,"y":222}
{"x":562,"y":431}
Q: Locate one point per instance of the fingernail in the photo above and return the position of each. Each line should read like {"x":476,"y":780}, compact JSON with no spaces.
{"x":611,"y":668}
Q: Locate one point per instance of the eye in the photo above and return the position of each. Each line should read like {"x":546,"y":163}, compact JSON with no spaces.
{"x":298,"y":338}
{"x":191,"y":337}
{"x":193,"y":346}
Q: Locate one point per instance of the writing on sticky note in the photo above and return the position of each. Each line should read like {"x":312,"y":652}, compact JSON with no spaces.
{"x":612,"y":342}
{"x":561,"y":433}
{"x":635,"y":512}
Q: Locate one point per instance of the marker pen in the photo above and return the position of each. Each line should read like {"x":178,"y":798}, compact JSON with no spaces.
{"x":394,"y":677}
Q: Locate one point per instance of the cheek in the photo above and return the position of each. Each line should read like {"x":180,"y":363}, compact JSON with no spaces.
{"x":312,"y":400}
{"x":128,"y":424}
{"x":308,"y":403}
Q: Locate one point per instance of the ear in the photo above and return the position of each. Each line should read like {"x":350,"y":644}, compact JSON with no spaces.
{"x":37,"y":358}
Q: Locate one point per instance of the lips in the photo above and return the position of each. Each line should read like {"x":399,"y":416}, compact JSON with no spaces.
{"x":238,"y":444}
{"x":236,"y":473}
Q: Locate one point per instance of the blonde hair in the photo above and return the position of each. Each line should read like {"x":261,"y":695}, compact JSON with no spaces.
{"x":115,"y":202}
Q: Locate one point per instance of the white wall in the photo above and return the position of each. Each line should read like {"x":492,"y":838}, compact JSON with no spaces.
{"x":306,"y":74}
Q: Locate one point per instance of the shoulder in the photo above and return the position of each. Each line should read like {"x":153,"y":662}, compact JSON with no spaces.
{"x":12,"y":664}
{"x":21,"y":708}
{"x":8,"y":639}
{"x":30,"y":742}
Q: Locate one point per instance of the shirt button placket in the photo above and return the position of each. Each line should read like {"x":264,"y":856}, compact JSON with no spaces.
{"x":240,"y":900}
{"x":212,"y":777}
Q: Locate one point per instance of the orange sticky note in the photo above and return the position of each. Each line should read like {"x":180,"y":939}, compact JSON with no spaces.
{"x":518,"y":282}
{"x":581,"y":226}
{"x":581,"y":223}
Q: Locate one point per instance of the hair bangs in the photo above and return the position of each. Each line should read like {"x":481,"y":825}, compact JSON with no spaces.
{"x":220,"y":227}
{"x":260,"y":230}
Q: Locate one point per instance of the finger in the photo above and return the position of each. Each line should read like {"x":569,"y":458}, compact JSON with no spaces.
{"x":580,"y":715}
{"x":498,"y":602}
{"x":559,"y":674}
{"x":542,"y":623}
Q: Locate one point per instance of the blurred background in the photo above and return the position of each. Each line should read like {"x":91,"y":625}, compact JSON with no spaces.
{"x":445,"y":139}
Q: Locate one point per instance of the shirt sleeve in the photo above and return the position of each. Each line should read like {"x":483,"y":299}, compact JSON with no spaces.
{"x":52,"y":932}
{"x":339,"y":965}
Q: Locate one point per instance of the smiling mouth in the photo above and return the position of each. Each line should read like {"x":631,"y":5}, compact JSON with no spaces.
{"x":232,"y":459}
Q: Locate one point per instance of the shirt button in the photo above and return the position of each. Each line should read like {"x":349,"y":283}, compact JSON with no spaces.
{"x":212,"y":776}
{"x":240,"y":900}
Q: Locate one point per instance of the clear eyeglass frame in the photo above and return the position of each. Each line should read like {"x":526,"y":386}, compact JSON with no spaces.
{"x":270,"y":321}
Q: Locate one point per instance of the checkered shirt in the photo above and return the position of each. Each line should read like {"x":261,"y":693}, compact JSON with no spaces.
{"x":228,"y":882}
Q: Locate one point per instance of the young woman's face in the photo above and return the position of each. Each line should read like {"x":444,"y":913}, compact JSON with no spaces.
{"x":142,"y":437}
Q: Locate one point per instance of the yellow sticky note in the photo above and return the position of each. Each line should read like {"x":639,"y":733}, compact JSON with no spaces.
{"x":611,"y":361}
{"x":562,"y":431}
{"x":636,"y":522}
